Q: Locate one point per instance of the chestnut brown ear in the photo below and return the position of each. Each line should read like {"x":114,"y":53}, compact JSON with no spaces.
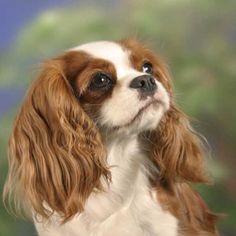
{"x":177,"y":149}
{"x":56,"y":155}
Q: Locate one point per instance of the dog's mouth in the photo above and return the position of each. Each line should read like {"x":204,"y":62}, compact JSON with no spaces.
{"x":155,"y":102}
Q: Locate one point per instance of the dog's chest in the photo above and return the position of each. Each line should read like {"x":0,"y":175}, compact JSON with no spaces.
{"x":128,"y":207}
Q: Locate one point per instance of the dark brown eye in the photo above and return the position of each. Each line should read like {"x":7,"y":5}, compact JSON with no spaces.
{"x":101,"y":81}
{"x":147,"y":68}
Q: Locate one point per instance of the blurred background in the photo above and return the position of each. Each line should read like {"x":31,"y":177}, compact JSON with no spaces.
{"x":196,"y":39}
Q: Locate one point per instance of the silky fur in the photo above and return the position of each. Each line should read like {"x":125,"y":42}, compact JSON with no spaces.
{"x":82,"y":167}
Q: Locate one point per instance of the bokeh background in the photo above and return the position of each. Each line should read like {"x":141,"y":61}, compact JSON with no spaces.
{"x":197,"y":39}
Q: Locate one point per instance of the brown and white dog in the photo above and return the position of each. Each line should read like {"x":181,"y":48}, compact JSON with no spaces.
{"x":100,"y":148}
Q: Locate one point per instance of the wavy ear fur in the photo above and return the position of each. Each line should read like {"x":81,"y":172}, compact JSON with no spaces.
{"x":56,"y":155}
{"x":177,"y":149}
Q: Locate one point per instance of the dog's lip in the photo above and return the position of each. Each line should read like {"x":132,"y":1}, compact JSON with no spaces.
{"x":140,"y":111}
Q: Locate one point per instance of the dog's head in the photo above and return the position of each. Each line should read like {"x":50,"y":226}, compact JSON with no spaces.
{"x":122,"y":86}
{"x":56,"y":151}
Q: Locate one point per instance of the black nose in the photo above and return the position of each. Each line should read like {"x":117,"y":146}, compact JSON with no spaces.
{"x":146,"y":84}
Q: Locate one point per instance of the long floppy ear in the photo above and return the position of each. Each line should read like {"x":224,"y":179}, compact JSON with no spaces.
{"x":56,"y":155}
{"x":177,"y":149}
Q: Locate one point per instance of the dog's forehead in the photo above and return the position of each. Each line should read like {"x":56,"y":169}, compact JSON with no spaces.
{"x":107,"y":50}
{"x":112,"y":52}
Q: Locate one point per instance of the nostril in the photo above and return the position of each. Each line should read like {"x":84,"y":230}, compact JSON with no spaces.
{"x":152,"y":80}
{"x":142,"y":83}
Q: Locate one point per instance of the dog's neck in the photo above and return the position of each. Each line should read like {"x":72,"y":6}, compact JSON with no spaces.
{"x":123,"y":157}
{"x":129,"y":153}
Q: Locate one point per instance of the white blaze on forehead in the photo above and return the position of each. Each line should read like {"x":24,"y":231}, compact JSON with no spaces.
{"x":112,"y":52}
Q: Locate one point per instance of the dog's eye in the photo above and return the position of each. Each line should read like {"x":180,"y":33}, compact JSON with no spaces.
{"x":101,"y":80}
{"x":147,"y":68}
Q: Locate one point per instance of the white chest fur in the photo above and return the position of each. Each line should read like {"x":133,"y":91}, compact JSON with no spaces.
{"x":127,"y":208}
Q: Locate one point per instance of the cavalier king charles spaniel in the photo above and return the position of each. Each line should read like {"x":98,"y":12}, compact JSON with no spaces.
{"x":100,"y":148}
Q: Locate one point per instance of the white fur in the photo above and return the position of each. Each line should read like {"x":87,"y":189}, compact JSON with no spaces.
{"x":125,"y":104}
{"x":112,"y":52}
{"x":128,"y":207}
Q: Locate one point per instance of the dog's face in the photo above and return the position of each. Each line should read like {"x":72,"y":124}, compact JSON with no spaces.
{"x":120,"y":85}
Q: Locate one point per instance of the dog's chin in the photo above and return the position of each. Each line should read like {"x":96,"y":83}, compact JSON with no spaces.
{"x":147,"y":119}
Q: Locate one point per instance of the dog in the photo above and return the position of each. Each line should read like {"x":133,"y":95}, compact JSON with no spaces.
{"x":99,"y":148}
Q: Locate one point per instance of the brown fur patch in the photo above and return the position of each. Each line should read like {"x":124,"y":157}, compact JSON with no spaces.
{"x":80,"y":68}
{"x":139,"y":54}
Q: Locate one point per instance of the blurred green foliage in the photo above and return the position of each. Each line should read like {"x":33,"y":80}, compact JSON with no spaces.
{"x":197,"y":41}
